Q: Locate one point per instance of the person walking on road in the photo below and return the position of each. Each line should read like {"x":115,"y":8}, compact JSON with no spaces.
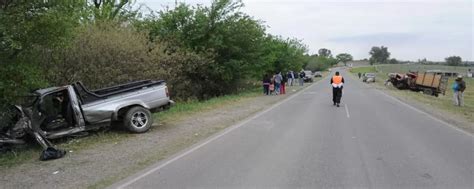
{"x":458,"y":89}
{"x":302,"y":75}
{"x":337,"y":82}
{"x":359,"y":74}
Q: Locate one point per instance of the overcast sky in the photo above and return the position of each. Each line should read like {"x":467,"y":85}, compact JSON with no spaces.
{"x":432,"y":29}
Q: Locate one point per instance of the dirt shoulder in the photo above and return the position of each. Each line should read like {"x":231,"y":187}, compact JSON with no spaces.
{"x":102,"y":164}
{"x":439,"y":107}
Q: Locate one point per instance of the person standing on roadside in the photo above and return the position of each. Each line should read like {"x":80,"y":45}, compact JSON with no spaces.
{"x":337,"y":82}
{"x":283,"y":83}
{"x":359,"y":74}
{"x":458,"y":89}
{"x":302,"y":75}
{"x":295,"y":78}
{"x":291,"y":78}
{"x":266,"y":84}
{"x":278,"y":79}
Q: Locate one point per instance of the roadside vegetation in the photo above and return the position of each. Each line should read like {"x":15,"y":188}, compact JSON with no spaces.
{"x":443,"y":103}
{"x":324,"y":59}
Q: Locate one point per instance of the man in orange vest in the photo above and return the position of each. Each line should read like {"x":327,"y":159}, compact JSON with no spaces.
{"x":337,"y":82}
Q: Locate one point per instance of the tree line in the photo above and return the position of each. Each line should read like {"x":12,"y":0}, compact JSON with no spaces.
{"x":201,"y":51}
{"x":381,"y":55}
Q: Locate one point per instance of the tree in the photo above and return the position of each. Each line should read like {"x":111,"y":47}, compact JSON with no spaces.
{"x":30,"y":30}
{"x":25,"y":25}
{"x":393,"y":61}
{"x":320,"y":63}
{"x":324,"y":52}
{"x":453,"y":60}
{"x":344,"y":57}
{"x":113,"y":9}
{"x":379,"y":55}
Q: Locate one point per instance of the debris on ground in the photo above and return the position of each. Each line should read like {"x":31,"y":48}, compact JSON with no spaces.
{"x":52,"y":153}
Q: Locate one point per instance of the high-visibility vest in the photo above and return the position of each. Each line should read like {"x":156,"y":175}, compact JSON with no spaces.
{"x":337,"y":81}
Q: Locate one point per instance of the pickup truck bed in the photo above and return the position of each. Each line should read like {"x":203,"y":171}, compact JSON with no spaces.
{"x":88,"y":96}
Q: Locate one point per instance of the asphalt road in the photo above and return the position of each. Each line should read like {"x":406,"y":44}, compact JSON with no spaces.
{"x":371,"y":141}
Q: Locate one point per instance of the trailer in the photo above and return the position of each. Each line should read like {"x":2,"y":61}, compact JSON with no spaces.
{"x":431,"y":83}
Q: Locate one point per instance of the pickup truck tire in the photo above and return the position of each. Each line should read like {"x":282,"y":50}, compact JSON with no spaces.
{"x":138,"y":120}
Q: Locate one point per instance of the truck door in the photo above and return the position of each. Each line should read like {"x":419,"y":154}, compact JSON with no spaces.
{"x":76,"y":107}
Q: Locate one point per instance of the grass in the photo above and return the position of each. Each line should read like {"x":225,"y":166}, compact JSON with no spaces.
{"x":442,"y":103}
{"x":183,"y":109}
{"x":363,"y":70}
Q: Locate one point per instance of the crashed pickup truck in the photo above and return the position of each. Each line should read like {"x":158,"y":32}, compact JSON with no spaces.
{"x":67,"y":110}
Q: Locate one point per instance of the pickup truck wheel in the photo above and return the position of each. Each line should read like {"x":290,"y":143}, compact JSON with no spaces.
{"x":138,"y":120}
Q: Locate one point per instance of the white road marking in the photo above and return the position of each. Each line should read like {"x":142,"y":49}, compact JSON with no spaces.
{"x":347,"y":111}
{"x":196,"y":147}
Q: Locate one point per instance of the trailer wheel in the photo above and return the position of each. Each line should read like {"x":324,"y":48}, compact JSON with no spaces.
{"x":428,"y":91}
{"x":138,"y":120}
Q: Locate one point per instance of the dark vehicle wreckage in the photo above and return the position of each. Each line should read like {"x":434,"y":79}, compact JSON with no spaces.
{"x":428,"y":82}
{"x":64,"y":111}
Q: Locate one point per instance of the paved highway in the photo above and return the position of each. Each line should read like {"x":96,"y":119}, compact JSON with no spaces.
{"x":371,"y":141}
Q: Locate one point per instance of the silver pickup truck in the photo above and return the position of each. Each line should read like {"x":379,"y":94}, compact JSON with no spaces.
{"x":67,"y":110}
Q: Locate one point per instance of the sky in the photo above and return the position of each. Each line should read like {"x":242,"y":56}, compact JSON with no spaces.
{"x":412,"y":30}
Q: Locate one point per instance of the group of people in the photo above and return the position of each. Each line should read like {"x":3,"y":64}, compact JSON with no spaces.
{"x":276,"y":84}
